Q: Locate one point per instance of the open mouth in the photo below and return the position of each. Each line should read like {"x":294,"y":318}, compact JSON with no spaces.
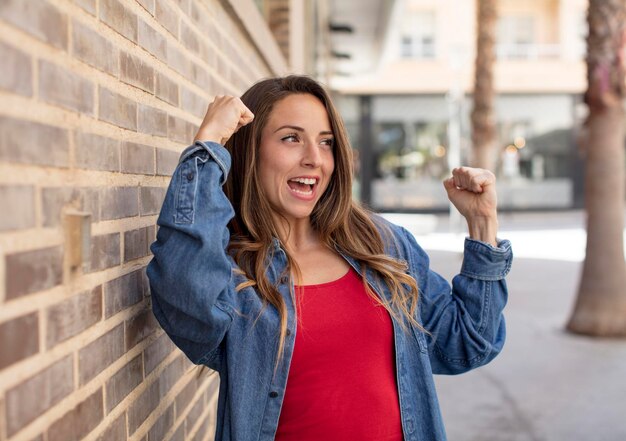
{"x":303,"y":186}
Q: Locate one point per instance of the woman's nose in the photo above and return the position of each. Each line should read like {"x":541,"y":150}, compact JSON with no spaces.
{"x":312,"y":157}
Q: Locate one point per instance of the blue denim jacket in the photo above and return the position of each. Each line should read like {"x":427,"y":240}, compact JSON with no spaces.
{"x":195,"y":301}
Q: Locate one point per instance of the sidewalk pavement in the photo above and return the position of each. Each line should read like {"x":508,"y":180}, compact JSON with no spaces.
{"x":546,"y":385}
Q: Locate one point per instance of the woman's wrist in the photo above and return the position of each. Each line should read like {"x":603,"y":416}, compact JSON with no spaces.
{"x":484,"y":229}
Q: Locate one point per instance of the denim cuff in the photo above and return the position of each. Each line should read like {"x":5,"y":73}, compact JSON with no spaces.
{"x":217,"y":151}
{"x":486,"y":262}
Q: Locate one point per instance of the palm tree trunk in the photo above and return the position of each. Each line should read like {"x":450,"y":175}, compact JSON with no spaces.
{"x":600,"y":307}
{"x":483,"y":117}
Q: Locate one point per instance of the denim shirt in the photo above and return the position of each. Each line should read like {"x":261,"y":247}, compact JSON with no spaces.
{"x":193,"y":283}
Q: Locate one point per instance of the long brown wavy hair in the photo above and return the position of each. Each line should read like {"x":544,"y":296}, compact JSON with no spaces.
{"x":342,"y":223}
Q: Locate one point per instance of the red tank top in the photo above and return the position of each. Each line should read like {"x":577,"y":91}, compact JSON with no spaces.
{"x":342,"y":378}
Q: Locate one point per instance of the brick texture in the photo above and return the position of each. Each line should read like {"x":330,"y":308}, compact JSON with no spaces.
{"x":81,"y":420}
{"x":30,"y":143}
{"x":88,"y":46}
{"x":65,"y":89}
{"x":16,"y":71}
{"x":97,"y":100}
{"x":105,"y":252}
{"x":21,"y":199}
{"x":137,"y":158}
{"x":37,"y":394}
{"x":69,"y":317}
{"x":97,"y":152}
{"x":137,"y":242}
{"x":98,"y":355}
{"x":33,"y":271}
{"x":40,"y":19}
{"x":19,"y":339}
{"x":123,"y":382}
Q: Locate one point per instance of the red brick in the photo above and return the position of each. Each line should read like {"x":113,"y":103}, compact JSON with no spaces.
{"x":137,"y":243}
{"x":117,"y":110}
{"x":38,"y":18}
{"x":87,"y":5}
{"x":193,"y":103}
{"x":116,"y":430}
{"x":170,"y":375}
{"x":186,"y":395}
{"x":202,"y":78}
{"x":99,"y":354}
{"x":139,"y":327}
{"x":167,"y":161}
{"x":135,"y":72}
{"x":119,"y":202}
{"x":166,"y":89}
{"x":122,"y":20}
{"x":61,"y":87}
{"x":189,"y":39}
{"x":19,"y":339}
{"x":151,"y":199}
{"x":156,"y":352}
{"x":162,"y":425}
{"x":77,"y":423}
{"x":34,"y":396}
{"x":97,"y":152}
{"x":178,"y":129}
{"x":89,"y":46}
{"x":202,"y":430}
{"x":72,"y":316}
{"x":32,"y":271}
{"x":33,"y":143}
{"x":148,"y":5}
{"x":167,"y":16}
{"x":137,"y":158}
{"x":21,"y":199}
{"x":56,"y":198}
{"x":194,"y":414}
{"x":143,"y":406}
{"x":151,"y":40}
{"x":123,"y":382}
{"x":179,"y":435}
{"x":152,"y":121}
{"x":105,"y":252}
{"x":178,"y":61}
{"x":17,"y":75}
{"x":207,"y":54}
{"x":123,"y":292}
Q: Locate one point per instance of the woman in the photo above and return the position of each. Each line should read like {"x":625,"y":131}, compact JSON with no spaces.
{"x":322,"y":320}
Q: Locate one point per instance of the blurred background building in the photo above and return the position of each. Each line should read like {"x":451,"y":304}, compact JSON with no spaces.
{"x":404,"y":75}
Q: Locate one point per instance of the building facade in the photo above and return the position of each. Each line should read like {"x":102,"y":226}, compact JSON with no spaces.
{"x":417,"y":103}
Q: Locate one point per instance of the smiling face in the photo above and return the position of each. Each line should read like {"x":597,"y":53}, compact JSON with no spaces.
{"x":296,"y":155}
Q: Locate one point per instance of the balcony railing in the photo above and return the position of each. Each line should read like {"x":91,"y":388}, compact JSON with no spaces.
{"x":528,"y":51}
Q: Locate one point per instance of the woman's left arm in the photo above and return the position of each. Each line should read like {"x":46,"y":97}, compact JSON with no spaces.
{"x":465,"y":320}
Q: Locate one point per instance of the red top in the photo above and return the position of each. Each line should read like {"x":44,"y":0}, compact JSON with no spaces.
{"x":342,"y":378}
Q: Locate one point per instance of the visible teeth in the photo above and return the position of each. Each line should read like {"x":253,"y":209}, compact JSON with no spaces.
{"x":302,"y":192}
{"x":307,"y":181}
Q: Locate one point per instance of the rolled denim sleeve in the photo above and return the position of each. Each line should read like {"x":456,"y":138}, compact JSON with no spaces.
{"x":464,"y":321}
{"x":190,"y":274}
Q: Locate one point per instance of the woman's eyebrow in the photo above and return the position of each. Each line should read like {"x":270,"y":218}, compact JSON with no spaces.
{"x":300,"y":129}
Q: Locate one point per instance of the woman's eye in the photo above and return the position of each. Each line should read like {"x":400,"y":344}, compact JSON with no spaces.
{"x":291,"y":138}
{"x":329,"y":142}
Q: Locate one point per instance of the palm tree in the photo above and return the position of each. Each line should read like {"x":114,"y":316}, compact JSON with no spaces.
{"x":483,"y":117}
{"x":600,"y":308}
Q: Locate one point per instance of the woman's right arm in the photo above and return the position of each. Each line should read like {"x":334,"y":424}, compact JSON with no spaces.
{"x":191,"y":274}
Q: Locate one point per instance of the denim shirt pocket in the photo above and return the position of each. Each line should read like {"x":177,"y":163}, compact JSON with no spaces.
{"x":187,"y":186}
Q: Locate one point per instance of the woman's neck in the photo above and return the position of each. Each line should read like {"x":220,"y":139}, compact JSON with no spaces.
{"x":298,"y":235}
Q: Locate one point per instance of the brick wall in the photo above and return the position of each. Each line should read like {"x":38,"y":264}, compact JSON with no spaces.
{"x":97,"y":99}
